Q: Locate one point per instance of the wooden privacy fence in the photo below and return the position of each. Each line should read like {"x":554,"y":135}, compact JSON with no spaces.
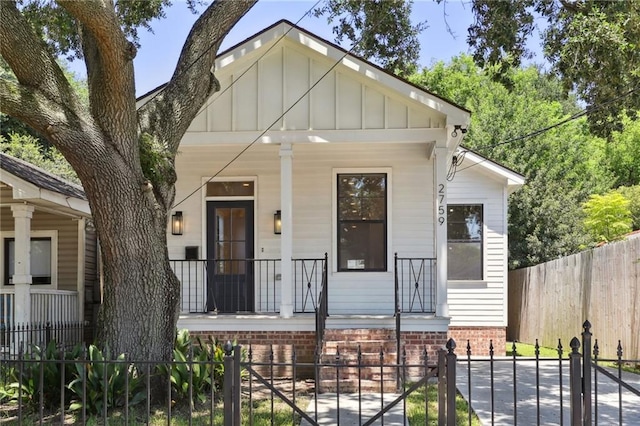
{"x":550,"y":300}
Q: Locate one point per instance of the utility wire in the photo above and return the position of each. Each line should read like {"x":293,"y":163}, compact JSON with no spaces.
{"x":267,"y":128}
{"x":453,"y":169}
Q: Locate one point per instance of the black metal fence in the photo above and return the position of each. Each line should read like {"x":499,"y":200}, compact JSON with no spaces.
{"x":211,"y":384}
{"x":224,"y":387}
{"x":16,"y":338}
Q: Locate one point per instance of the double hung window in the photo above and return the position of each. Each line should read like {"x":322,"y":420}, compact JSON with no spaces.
{"x":362,"y":222}
{"x":464,"y":241}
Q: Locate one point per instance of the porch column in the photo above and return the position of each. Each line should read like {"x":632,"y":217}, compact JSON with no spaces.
{"x":22,"y":215}
{"x":440,"y":191}
{"x":286,"y":237}
{"x":82,"y":252}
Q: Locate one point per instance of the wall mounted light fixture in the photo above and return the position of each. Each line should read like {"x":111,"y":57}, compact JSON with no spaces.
{"x":177,"y":223}
{"x":277,"y":222}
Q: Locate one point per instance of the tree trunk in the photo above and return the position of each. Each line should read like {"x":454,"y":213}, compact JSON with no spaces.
{"x":141,"y":294}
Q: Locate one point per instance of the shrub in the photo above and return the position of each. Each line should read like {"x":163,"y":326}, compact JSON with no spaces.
{"x":99,"y":374}
{"x":24,"y":378}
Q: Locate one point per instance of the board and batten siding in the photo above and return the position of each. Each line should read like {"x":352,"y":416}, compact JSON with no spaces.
{"x":253,"y":97}
{"x":67,"y":230}
{"x":410,"y":232}
{"x":482,"y":303}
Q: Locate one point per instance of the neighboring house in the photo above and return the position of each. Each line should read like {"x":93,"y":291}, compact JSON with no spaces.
{"x":47,"y":247}
{"x":357,"y":169}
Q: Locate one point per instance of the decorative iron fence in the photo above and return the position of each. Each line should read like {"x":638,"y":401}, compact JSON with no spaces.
{"x":246,"y":285}
{"x":23,"y":338}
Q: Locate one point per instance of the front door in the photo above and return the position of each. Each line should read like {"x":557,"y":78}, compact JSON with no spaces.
{"x":230,"y":253}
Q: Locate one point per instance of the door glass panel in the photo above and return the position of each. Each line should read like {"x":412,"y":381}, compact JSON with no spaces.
{"x":231,"y":245}
{"x":230,"y":189}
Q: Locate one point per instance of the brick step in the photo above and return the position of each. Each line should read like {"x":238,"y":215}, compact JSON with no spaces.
{"x":349,"y":347}
{"x":359,"y":334}
{"x":351,"y":386}
{"x":366,"y":359}
{"x":352,"y":372}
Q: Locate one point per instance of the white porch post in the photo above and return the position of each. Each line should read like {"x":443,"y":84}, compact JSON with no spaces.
{"x":22,"y":215}
{"x":440,"y":191}
{"x":82,"y":223}
{"x":286,"y":237}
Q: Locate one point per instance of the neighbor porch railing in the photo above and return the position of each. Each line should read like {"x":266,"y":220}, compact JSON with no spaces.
{"x":54,"y":306}
{"x":262,"y":276}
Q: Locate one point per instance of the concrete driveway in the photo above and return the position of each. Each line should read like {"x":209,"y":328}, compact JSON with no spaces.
{"x":553,"y":405}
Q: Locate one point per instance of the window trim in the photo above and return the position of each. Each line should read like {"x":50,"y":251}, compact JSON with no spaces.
{"x":53,"y":235}
{"x":483,"y":244}
{"x":334,"y":217}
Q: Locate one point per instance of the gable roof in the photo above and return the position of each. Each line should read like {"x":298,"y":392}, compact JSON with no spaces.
{"x":30,"y":182}
{"x":514,"y":180}
{"x":286,"y":29}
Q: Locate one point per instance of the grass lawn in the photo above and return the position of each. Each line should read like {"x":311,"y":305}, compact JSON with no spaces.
{"x":417,"y":412}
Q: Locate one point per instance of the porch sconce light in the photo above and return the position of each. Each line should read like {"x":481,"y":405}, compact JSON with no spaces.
{"x":177,"y":223}
{"x":277,"y":222}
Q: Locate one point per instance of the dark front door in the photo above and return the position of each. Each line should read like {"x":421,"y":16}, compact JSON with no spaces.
{"x":230,"y":254}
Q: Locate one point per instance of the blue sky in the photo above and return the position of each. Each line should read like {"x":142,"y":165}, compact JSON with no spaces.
{"x":159,"y":51}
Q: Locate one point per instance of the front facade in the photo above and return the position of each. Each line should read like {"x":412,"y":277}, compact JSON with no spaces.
{"x":315,"y":181}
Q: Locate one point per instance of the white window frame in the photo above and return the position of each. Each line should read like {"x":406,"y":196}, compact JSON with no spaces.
{"x":53,"y":235}
{"x":482,"y":203}
{"x":334,"y":216}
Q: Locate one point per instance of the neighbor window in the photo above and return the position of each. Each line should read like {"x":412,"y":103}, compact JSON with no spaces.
{"x":362,"y":222}
{"x":464,"y":240}
{"x":40,"y":260}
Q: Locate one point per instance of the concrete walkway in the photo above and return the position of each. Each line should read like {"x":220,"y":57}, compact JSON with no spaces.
{"x":553,"y":406}
{"x":349,"y":413}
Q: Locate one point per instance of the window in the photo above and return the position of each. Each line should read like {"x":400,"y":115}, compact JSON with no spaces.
{"x":464,"y":240}
{"x":40,"y":260}
{"x":362,"y":222}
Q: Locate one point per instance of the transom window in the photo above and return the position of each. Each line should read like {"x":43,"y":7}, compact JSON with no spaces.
{"x":362,"y":222}
{"x":464,"y":241}
{"x":40,"y":260}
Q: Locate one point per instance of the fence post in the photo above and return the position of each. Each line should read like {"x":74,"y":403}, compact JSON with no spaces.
{"x":586,"y":373}
{"x":236,"y":384}
{"x":452,"y":358}
{"x":442,"y":388}
{"x":575,"y":383}
{"x":228,"y":385}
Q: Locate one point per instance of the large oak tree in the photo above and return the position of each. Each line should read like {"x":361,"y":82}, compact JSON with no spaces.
{"x":124,"y":157}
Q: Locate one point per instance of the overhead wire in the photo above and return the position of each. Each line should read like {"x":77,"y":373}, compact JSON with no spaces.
{"x":267,"y":128}
{"x":456,"y":162}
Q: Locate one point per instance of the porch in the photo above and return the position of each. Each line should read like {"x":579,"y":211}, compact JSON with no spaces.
{"x":255,"y":286}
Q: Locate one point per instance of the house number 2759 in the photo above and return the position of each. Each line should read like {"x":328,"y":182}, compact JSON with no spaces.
{"x":441,"y":210}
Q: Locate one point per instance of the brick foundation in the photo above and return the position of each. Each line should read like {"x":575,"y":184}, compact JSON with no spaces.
{"x":479,"y":338}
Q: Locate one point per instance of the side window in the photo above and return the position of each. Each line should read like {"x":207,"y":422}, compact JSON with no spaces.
{"x":40,"y":260}
{"x":464,"y":241}
{"x":362,"y":222}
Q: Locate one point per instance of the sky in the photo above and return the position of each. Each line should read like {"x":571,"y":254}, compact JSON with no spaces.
{"x":444,"y":37}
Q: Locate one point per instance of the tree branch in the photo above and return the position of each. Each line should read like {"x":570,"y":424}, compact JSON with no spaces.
{"x":109,"y":59}
{"x":168,"y":115}
{"x":33,"y":65}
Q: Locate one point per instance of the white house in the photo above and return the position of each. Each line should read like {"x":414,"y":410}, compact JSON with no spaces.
{"x":308,"y":150}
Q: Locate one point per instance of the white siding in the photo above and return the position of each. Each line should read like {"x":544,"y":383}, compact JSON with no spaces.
{"x":254,"y":95}
{"x":410,"y":233}
{"x":482,"y":303}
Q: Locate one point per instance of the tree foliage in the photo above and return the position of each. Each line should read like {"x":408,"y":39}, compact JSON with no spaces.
{"x":591,"y":44}
{"x":607,"y":216}
{"x":380,"y":30}
{"x":562,"y":166}
{"x":30,"y":149}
